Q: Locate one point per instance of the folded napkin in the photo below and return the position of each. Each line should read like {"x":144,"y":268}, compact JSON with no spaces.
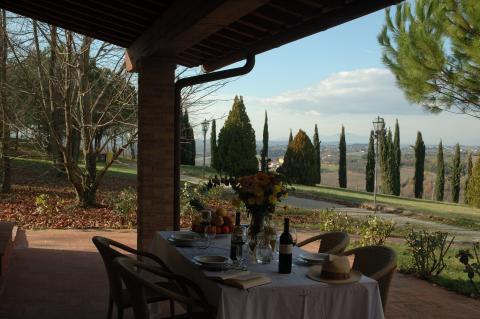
{"x":248,"y":281}
{"x":240,"y":279}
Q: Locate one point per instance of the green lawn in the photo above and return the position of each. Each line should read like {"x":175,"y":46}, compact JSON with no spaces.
{"x":454,"y":214}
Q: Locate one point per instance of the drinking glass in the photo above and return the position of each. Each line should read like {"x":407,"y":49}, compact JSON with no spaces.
{"x":210,"y":232}
{"x":293,"y":232}
{"x":263,"y":249}
{"x":206,"y":220}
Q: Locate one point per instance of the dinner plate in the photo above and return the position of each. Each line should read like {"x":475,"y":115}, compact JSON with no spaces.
{"x":212,"y":261}
{"x":314,"y":258}
{"x":184,"y":239}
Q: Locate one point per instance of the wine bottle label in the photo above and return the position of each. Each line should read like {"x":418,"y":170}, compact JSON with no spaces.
{"x":285,"y":249}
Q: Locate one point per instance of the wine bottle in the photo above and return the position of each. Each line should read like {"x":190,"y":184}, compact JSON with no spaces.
{"x":285,"y":251}
{"x":237,"y":238}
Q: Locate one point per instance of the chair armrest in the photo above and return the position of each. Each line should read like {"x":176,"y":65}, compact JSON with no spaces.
{"x":139,"y":253}
{"x":310,"y":240}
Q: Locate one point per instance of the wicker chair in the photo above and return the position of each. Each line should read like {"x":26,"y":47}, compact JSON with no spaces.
{"x":188,"y":293}
{"x":330,"y":243}
{"x":117,"y":294}
{"x":377,"y":262}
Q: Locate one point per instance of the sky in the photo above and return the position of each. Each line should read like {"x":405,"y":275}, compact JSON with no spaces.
{"x":331,"y":79}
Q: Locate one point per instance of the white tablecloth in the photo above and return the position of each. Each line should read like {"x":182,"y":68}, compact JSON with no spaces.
{"x":287,"y":297}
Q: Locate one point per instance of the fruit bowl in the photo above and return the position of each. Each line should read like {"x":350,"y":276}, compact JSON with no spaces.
{"x":221,"y":220}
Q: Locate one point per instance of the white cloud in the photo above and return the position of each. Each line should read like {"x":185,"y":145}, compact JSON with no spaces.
{"x":368,"y":91}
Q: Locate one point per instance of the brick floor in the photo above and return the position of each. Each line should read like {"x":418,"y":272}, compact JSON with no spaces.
{"x":58,"y":274}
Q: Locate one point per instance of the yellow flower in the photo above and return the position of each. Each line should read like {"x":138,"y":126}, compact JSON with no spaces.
{"x":272,"y":199}
{"x":277,"y":188}
{"x":236,"y":202}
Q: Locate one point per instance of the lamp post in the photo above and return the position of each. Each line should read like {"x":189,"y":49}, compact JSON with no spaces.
{"x":378,"y":127}
{"x":205,"y":125}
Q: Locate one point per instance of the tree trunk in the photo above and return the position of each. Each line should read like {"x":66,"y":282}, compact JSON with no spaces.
{"x":5,"y":143}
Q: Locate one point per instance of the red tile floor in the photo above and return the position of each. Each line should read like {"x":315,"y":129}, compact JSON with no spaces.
{"x":58,"y":274}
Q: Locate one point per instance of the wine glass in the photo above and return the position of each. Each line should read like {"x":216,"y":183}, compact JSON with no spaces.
{"x":293,"y":232}
{"x":210,"y":232}
{"x":206,"y":220}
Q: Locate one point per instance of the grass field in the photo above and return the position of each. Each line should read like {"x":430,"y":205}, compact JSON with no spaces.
{"x":454,"y":214}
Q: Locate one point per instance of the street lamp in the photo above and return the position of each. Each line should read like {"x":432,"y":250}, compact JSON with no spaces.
{"x":205,"y":125}
{"x":378,"y":127}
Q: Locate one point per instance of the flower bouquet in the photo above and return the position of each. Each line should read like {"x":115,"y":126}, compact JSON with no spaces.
{"x":260,"y":193}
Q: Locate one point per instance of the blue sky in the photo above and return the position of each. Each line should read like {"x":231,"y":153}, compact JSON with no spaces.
{"x":332,"y":78}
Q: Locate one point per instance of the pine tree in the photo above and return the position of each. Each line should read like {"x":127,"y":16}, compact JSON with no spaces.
{"x":342,"y":162}
{"x":290,"y":137}
{"x":214,"y":147}
{"x":456,"y":174}
{"x":440,"y":181}
{"x":236,"y":143}
{"x":187,"y":149}
{"x":370,"y":168}
{"x":397,"y":159}
{"x":469,"y":175}
{"x":318,"y":159}
{"x":419,"y":166}
{"x":432,"y":47}
{"x":473,"y":191}
{"x":264,"y":153}
{"x":299,"y":160}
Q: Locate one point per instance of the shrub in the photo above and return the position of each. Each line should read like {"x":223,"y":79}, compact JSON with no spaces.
{"x":333,"y":221}
{"x":427,"y":252}
{"x":44,"y":204}
{"x":471,"y":269}
{"x":124,"y":202}
{"x":375,"y":230}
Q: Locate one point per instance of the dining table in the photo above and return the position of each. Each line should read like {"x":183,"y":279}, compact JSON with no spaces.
{"x":288,"y":296}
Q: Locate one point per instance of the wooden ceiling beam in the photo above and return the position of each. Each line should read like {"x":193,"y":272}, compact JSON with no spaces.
{"x":186,"y":23}
{"x":323,"y":22}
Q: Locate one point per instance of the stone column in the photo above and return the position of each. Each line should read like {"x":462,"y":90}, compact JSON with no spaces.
{"x":156,"y":140}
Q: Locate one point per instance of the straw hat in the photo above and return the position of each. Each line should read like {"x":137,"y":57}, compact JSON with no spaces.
{"x":335,"y":271}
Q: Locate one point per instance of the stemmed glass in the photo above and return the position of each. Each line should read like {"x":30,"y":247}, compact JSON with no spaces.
{"x":206,"y":220}
{"x":241,"y":253}
{"x":293,"y":232}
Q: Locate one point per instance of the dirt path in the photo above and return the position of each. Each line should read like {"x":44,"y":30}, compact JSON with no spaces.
{"x":461,"y":234}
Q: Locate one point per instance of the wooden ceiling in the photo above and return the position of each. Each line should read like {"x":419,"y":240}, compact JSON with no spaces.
{"x":211,"y":33}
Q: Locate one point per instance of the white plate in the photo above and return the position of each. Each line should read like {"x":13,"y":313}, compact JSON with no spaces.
{"x":314,"y":258}
{"x":212,"y":261}
{"x":184,"y":238}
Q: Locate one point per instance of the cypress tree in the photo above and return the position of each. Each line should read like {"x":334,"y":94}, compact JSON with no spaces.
{"x":370,"y":168}
{"x":440,"y":181}
{"x":299,"y":160}
{"x":419,"y":166}
{"x":473,"y":191}
{"x":213,"y":146}
{"x":456,"y":173}
{"x":318,"y":159}
{"x":397,"y":156}
{"x":469,"y":175}
{"x":290,"y":137}
{"x":236,"y":143}
{"x":264,"y":152}
{"x":187,"y":148}
{"x":386,"y":161}
{"x":342,"y":162}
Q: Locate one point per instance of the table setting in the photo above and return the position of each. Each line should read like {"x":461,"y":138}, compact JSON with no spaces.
{"x":252,"y":271}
